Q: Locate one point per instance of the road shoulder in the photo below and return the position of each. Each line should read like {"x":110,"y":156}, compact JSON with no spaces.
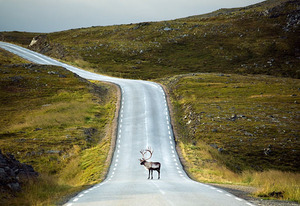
{"x":245,"y":192}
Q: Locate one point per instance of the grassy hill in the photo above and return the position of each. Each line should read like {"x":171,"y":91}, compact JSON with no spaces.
{"x":259,"y":39}
{"x":239,"y":129}
{"x":58,"y":123}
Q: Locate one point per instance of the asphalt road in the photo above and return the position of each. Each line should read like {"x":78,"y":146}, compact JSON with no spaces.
{"x":143,"y":121}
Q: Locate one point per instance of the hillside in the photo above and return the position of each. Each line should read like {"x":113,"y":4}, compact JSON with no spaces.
{"x":238,"y":129}
{"x":259,"y":39}
{"x":56,"y":122}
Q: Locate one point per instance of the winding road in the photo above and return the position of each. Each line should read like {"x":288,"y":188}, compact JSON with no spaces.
{"x":144,"y":121}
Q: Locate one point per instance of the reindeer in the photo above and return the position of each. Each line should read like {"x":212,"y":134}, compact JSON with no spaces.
{"x":150,"y":165}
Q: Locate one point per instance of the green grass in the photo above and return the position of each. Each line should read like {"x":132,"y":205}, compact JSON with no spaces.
{"x":56,"y":122}
{"x":233,"y":112}
{"x":231,"y":125}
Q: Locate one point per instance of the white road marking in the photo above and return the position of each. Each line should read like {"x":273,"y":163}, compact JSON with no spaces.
{"x":238,"y":199}
{"x":81,"y":195}
{"x":146,"y":121}
{"x":229,"y":195}
{"x":75,"y":200}
{"x":220,"y":191}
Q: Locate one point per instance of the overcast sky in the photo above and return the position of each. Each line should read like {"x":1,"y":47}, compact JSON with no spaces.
{"x":57,"y":15}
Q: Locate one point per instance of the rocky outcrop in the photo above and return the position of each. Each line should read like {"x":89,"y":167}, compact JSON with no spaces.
{"x":40,"y":44}
{"x":13,"y":173}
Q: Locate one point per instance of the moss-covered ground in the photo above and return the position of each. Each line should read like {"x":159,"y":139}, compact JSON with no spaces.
{"x":239,"y":129}
{"x":56,"y":122}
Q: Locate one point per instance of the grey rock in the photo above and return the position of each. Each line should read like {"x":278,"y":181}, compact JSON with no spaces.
{"x":167,"y":29}
{"x":15,"y":187}
{"x":12,"y":173}
{"x":249,"y":134}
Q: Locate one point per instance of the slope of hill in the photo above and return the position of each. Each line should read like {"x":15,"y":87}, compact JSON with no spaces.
{"x":259,"y":39}
{"x":58,"y":123}
{"x":239,"y":129}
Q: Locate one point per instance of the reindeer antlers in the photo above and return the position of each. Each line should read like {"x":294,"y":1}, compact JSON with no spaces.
{"x":143,"y":152}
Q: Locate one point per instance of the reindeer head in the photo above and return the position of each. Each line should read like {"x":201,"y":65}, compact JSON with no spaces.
{"x":143,"y":152}
{"x":142,"y":161}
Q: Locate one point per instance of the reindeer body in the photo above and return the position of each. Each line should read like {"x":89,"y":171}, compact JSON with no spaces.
{"x":150,"y":165}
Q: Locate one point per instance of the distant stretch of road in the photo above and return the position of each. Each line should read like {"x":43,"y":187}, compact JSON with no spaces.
{"x":144,"y":121}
